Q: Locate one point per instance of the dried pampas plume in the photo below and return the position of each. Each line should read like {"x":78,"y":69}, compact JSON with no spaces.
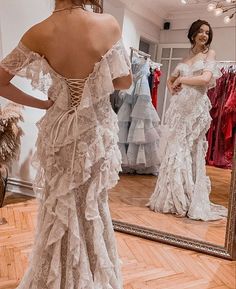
{"x":10,"y":133}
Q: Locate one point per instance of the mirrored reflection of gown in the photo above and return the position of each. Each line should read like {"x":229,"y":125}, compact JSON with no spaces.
{"x":78,"y":159}
{"x":182,"y":187}
{"x":139,"y":124}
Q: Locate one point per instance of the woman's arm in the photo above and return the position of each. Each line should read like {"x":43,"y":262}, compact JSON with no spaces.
{"x":10,"y":92}
{"x":122,"y":82}
{"x":200,"y":80}
{"x":170,"y":87}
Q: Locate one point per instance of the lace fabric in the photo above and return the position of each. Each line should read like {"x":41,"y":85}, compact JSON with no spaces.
{"x":182,"y":187}
{"x":77,"y":161}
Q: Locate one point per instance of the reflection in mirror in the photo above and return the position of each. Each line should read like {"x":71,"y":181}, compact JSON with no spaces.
{"x":176,"y":143}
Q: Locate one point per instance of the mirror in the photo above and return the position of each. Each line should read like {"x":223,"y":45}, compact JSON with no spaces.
{"x":180,"y":181}
{"x":143,"y":28}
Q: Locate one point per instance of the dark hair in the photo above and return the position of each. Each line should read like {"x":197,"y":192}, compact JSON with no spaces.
{"x":194,"y":29}
{"x":96,"y":3}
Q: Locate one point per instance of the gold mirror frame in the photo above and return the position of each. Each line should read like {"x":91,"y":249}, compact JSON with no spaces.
{"x":228,"y":251}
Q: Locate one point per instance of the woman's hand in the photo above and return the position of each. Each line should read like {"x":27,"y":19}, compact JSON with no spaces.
{"x":176,"y":86}
{"x":177,"y":83}
{"x":47,"y":104}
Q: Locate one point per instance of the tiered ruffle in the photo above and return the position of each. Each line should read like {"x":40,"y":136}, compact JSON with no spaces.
{"x":139,"y":134}
{"x":183,"y":187}
{"x":77,"y":161}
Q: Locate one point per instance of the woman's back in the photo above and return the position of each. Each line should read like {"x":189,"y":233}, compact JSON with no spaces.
{"x":77,"y":154}
{"x":73,"y":40}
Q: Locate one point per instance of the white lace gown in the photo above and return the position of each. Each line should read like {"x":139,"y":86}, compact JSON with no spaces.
{"x":78,"y":160}
{"x":182,"y":187}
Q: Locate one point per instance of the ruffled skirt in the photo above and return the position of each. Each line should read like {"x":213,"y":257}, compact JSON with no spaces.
{"x":182,"y":187}
{"x":75,"y":247}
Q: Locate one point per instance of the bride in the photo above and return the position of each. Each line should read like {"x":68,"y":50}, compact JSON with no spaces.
{"x":182,"y":187}
{"x":77,"y":58}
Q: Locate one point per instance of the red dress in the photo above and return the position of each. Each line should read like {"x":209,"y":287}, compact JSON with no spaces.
{"x":221,"y":135}
{"x":156,"y":81}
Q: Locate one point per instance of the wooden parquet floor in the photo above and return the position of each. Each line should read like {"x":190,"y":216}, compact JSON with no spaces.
{"x":129,"y":198}
{"x":145,"y":264}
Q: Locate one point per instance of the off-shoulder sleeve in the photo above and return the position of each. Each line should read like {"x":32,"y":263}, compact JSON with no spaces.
{"x":23,"y":62}
{"x":175,"y":72}
{"x":211,"y":65}
{"x":17,"y":59}
{"x":119,"y":61}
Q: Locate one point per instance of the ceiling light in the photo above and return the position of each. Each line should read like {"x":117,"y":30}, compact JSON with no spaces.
{"x":211,"y":6}
{"x":228,"y":19}
{"x":219,"y":7}
{"x":218,"y":11}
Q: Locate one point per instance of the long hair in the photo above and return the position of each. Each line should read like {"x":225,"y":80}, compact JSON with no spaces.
{"x":95,"y":3}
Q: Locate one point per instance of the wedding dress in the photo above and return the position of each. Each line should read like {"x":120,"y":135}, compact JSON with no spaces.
{"x":77,"y":161}
{"x":182,"y":187}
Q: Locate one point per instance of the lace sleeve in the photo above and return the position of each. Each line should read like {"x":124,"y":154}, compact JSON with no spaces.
{"x":119,"y":61}
{"x":15,"y":61}
{"x":211,"y":66}
{"x":175,"y":72}
{"x":26,"y":63}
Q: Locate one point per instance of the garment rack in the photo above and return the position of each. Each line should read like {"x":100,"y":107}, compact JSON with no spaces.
{"x":227,"y":61}
{"x":139,"y":52}
{"x":143,"y":54}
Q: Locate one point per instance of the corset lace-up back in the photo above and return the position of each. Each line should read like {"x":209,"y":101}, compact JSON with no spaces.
{"x":76,"y":87}
{"x":77,"y":160}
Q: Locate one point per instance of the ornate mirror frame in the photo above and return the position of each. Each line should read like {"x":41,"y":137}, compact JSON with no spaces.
{"x":228,"y":251}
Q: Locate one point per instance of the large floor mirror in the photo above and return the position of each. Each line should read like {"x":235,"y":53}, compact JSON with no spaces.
{"x":128,"y":200}
{"x":157,"y":29}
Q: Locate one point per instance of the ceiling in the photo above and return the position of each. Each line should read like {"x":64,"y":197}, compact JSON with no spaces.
{"x":164,"y":8}
{"x":171,"y":6}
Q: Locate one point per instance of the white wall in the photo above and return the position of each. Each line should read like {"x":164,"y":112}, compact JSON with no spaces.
{"x":135,"y":26}
{"x":224,"y":36}
{"x":116,"y":9}
{"x":16,"y":17}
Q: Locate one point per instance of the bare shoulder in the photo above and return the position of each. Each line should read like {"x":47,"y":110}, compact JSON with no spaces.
{"x":109,"y":25}
{"x":34,"y":36}
{"x":211,"y":55}
{"x":107,"y":19}
{"x":184,"y":59}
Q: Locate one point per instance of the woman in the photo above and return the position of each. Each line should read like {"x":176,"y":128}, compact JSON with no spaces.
{"x":183,"y":187}
{"x":78,"y":59}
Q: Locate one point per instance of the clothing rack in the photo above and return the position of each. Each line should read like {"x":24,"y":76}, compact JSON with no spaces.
{"x":226,"y":61}
{"x":147,"y":56}
{"x":139,"y":52}
{"x":155,"y":64}
{"x":227,"y":64}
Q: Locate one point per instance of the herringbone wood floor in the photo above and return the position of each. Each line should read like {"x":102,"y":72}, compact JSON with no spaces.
{"x":129,"y":198}
{"x":145,"y":264}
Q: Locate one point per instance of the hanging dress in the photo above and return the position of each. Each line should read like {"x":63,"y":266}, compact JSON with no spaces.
{"x":182,"y":187}
{"x":77,"y":161}
{"x":139,"y":124}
